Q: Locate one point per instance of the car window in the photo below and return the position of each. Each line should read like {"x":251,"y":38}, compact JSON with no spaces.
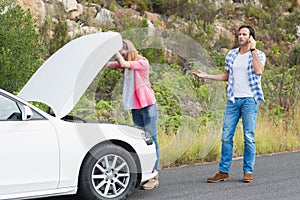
{"x":36,"y":115}
{"x":9,"y":110}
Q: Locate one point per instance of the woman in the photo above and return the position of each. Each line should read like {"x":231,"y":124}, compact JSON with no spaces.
{"x":138,"y":95}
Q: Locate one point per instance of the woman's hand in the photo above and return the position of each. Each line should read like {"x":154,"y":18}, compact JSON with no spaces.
{"x":123,"y":63}
{"x":110,"y":65}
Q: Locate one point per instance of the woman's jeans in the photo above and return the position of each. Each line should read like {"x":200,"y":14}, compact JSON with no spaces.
{"x":247,"y":109}
{"x":147,"y":119}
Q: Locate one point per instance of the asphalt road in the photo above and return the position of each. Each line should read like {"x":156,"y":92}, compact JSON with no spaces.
{"x":276,"y":177}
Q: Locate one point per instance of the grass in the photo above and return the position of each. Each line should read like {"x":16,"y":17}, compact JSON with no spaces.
{"x":191,"y":144}
{"x":277,"y":137}
{"x":197,"y":144}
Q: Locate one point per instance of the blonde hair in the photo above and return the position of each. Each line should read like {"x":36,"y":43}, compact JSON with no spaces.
{"x":131,"y":52}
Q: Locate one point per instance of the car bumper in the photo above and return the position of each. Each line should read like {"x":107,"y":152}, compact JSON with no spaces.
{"x":147,"y":163}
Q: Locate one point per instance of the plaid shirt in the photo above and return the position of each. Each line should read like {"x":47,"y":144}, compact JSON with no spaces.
{"x":253,"y":79}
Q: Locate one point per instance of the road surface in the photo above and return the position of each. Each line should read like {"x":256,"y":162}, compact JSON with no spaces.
{"x":276,"y":177}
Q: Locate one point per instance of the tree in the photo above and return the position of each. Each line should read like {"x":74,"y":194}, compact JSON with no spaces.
{"x":20,"y":46}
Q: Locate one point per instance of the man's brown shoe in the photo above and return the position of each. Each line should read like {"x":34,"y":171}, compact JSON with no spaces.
{"x":151,"y":184}
{"x":248,"y":178}
{"x":220,"y":176}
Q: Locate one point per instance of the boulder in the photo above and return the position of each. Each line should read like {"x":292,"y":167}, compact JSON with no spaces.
{"x":103,"y":16}
{"x":36,"y":8}
{"x":75,"y":14}
{"x":69,"y":5}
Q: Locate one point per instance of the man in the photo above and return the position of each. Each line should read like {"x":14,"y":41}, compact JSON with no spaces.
{"x":244,"y":67}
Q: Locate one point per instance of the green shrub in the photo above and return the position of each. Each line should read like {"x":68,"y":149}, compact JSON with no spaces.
{"x":21,"y":48}
{"x":139,"y":5}
{"x":126,"y":19}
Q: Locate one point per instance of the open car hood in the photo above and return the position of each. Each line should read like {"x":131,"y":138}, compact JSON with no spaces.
{"x":63,"y":78}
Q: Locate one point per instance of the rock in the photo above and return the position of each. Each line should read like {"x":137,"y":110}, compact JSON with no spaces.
{"x":103,"y":16}
{"x":220,"y":31}
{"x":76,"y":29}
{"x":69,"y":5}
{"x":155,"y":19}
{"x":36,"y":8}
{"x":76,"y":13}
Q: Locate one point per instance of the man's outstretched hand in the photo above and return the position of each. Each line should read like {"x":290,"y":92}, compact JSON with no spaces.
{"x":200,"y":74}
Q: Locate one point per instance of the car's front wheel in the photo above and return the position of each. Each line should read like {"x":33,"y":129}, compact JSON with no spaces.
{"x":108,"y":172}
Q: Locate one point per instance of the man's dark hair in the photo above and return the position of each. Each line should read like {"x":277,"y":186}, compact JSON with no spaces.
{"x":251,"y":30}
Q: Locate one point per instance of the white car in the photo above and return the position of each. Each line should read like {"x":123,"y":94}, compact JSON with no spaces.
{"x":43,"y":155}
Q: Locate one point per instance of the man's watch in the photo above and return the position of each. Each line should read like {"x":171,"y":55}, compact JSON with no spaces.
{"x":252,"y":49}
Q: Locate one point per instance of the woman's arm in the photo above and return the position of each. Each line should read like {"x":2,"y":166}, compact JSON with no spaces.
{"x":123,"y":63}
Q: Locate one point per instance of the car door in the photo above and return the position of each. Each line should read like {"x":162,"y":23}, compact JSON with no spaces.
{"x":29,"y":154}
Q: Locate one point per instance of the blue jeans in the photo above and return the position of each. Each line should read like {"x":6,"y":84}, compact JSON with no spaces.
{"x":147,"y":119}
{"x":247,"y":109}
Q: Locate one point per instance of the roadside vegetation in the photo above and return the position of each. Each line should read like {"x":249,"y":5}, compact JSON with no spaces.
{"x":190,"y":110}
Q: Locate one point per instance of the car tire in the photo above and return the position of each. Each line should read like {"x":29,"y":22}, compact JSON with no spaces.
{"x":108,"y":172}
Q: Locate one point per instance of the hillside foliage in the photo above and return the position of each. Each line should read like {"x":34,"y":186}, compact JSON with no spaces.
{"x":21,"y":49}
{"x":186,"y":104}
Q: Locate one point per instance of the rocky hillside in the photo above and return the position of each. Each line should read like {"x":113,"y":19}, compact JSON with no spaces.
{"x":83,"y":18}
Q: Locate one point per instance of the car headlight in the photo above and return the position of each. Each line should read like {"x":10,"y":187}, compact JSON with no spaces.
{"x":147,"y":137}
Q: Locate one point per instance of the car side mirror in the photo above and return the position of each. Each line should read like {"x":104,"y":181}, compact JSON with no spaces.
{"x":26,"y":113}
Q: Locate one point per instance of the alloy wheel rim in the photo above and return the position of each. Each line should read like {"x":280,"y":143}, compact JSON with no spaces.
{"x":110,"y":176}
